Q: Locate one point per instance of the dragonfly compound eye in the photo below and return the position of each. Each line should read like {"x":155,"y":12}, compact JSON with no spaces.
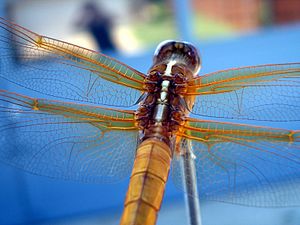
{"x":183,"y":52}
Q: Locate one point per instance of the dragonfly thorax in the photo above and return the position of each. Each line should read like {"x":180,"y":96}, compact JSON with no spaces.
{"x":163,"y":108}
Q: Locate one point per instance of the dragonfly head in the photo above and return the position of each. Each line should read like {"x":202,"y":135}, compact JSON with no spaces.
{"x":183,"y":52}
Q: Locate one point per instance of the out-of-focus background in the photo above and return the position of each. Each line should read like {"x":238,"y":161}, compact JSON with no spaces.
{"x":229,"y":33}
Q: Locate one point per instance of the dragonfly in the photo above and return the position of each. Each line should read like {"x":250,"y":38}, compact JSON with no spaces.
{"x":101,"y":120}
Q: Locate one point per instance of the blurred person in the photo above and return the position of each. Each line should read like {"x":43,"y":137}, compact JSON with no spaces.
{"x":99,"y":25}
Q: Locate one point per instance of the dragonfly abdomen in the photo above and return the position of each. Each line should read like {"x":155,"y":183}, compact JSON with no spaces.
{"x":147,"y":183}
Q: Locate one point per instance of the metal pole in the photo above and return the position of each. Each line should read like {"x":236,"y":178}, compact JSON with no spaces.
{"x":184,"y":24}
{"x":190,"y":184}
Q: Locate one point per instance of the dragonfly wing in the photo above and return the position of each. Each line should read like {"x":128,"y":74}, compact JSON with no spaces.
{"x":66,"y":140}
{"x":243,"y":164}
{"x":266,"y":93}
{"x":63,"y":70}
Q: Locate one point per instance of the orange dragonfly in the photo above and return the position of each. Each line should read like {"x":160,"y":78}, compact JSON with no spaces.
{"x":112,"y":119}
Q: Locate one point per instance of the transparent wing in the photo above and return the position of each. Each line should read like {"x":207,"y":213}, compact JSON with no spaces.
{"x":242,"y":164}
{"x":66,"y":140}
{"x":63,"y":70}
{"x":267,"y":93}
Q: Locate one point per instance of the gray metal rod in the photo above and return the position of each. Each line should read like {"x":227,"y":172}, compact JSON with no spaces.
{"x":183,"y":17}
{"x":190,"y":184}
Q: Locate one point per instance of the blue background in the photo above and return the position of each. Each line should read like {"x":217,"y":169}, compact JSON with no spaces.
{"x":29,"y":199}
